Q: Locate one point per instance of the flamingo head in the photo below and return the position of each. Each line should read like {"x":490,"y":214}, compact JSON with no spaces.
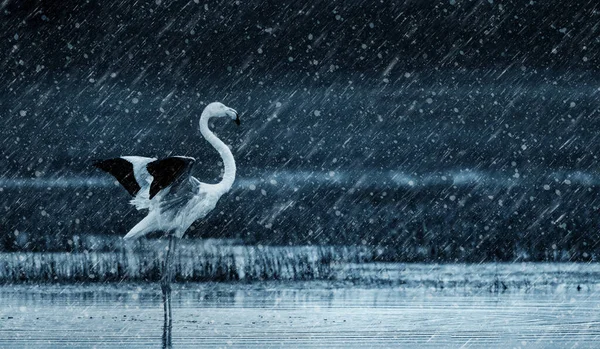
{"x":220,"y":110}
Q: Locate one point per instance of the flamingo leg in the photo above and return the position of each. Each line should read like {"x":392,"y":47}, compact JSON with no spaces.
{"x":166,"y":337}
{"x":165,"y":283}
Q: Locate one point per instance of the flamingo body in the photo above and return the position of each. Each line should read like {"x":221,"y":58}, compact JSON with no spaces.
{"x":174,"y":199}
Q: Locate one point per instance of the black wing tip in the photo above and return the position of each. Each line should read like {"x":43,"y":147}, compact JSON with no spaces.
{"x":167,"y":171}
{"x":122,"y":170}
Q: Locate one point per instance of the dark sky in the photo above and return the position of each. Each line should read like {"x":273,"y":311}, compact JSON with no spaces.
{"x":182,"y":41}
{"x":416,"y":86}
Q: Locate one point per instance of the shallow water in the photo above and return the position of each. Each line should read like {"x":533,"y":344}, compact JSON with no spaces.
{"x":301,"y":314}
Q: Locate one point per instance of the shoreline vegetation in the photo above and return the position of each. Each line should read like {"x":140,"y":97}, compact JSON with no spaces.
{"x":194,"y":260}
{"x":227,"y":261}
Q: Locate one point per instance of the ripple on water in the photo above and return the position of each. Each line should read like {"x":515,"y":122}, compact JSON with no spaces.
{"x":296,"y":315}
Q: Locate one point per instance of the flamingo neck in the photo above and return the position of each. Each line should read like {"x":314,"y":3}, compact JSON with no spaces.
{"x":229,"y":175}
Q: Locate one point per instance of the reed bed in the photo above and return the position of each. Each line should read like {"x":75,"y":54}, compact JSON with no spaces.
{"x":192,"y":261}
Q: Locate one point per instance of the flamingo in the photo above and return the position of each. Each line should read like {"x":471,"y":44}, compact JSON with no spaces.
{"x":174,"y":199}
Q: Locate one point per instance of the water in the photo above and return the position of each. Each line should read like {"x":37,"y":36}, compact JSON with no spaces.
{"x":311,"y":314}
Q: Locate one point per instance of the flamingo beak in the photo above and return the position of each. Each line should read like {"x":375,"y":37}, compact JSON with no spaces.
{"x":237,"y":119}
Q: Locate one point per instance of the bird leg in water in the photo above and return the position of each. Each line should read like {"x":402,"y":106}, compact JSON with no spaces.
{"x":167,"y":336}
{"x":165,"y":282}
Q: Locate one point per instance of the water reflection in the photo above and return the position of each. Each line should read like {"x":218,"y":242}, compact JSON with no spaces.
{"x":269,"y":295}
{"x":296,"y":315}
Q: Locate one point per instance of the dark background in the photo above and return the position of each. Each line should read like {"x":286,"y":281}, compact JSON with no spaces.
{"x":436,"y":131}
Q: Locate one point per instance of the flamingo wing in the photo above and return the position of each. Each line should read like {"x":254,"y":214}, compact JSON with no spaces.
{"x":169,"y":172}
{"x":123,"y":171}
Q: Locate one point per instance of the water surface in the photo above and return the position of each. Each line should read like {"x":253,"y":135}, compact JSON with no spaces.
{"x":299,"y":315}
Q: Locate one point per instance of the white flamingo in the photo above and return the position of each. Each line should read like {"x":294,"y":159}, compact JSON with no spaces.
{"x":174,"y":199}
